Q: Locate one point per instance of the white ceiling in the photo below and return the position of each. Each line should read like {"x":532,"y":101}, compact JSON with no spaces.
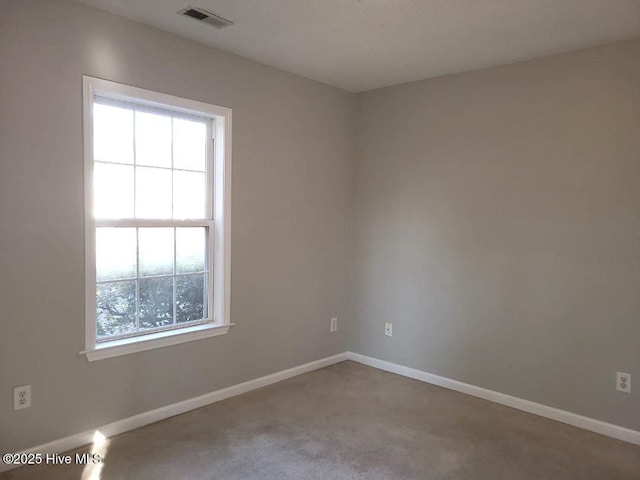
{"x":364,"y":44}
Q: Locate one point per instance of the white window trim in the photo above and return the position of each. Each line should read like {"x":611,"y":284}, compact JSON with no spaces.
{"x":220,"y":234}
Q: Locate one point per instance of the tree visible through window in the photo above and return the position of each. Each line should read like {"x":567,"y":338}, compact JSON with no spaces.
{"x":153,"y":213}
{"x":157,"y":219}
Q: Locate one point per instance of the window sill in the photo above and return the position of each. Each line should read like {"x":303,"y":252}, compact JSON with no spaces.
{"x":125,"y":346}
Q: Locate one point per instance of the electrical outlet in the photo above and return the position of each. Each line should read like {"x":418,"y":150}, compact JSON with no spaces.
{"x":334,"y":324}
{"x":22,"y":397}
{"x":623,"y":382}
{"x":388,"y":329}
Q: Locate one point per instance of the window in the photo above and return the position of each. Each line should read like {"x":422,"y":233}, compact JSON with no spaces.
{"x":157,"y":192}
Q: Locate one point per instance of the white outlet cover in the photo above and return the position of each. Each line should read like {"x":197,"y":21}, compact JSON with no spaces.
{"x":334,"y":324}
{"x":623,"y":382}
{"x":22,"y":397}
{"x":388,"y":329}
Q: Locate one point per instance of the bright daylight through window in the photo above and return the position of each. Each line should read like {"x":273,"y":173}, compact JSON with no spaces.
{"x":155,"y":215}
{"x":150,"y":165}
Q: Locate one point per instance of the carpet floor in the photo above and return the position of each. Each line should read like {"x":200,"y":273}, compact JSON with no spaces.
{"x":349,"y":421}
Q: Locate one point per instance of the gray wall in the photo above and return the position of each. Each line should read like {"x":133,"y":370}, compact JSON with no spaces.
{"x":292,"y":173}
{"x":498,"y":228}
{"x":497,"y":223}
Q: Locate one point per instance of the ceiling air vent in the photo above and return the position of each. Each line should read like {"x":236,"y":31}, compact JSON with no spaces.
{"x":206,"y":17}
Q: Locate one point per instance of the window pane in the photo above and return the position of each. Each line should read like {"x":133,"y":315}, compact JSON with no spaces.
{"x":156,"y":302}
{"x":115,"y":253}
{"x":189,"y":144}
{"x":113,"y":191}
{"x":153,"y":193}
{"x":112,"y":134}
{"x":190,"y":249}
{"x":153,"y":140}
{"x":188,"y":194}
{"x":155,"y":251}
{"x":190,"y":298}
{"x":116,"y":308}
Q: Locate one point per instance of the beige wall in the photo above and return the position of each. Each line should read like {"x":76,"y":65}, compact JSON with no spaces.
{"x":293,"y":149}
{"x":498,"y":228}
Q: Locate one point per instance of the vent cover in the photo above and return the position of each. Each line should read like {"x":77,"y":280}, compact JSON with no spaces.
{"x":206,"y":17}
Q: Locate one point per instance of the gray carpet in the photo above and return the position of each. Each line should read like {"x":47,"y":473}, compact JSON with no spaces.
{"x":349,"y":421}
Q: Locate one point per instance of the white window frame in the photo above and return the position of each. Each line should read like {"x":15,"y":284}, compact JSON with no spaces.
{"x":219,"y":222}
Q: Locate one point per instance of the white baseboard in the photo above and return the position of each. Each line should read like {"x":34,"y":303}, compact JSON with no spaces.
{"x":85,"y":438}
{"x":586,"y":423}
